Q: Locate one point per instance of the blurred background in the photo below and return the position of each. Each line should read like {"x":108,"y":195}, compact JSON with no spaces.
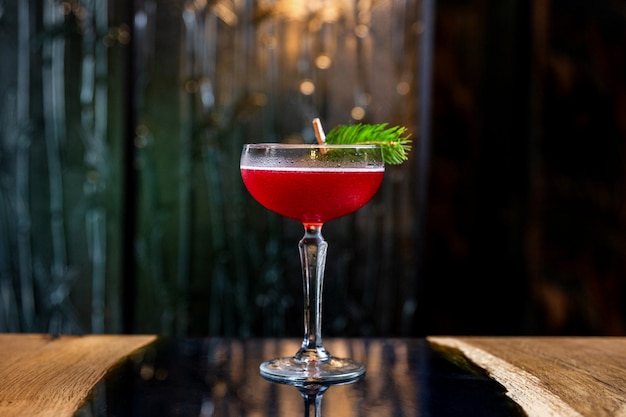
{"x":122,"y":208}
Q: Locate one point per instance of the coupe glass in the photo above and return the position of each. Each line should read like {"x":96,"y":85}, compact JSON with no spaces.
{"x":312,"y":184}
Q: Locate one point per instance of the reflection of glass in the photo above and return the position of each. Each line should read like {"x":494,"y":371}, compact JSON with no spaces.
{"x":312,"y":184}
{"x":312,"y":394}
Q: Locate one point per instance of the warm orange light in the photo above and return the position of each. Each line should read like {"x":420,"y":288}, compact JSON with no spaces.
{"x":307,"y":87}
{"x":357,"y":113}
{"x":323,"y":62}
{"x":361,"y":31}
{"x":403,"y":88}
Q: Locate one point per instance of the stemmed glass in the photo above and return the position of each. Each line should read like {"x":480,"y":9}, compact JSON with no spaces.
{"x":312,"y":184}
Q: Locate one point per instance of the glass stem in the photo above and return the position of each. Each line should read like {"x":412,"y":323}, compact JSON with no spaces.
{"x":313,"y":259}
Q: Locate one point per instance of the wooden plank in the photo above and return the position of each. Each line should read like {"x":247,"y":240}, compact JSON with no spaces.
{"x":44,"y":376}
{"x":552,"y":376}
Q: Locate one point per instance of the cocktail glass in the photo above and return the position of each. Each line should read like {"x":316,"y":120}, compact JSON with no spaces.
{"x":312,"y":184}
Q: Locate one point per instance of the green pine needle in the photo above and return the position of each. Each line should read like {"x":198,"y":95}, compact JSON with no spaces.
{"x":394,"y":141}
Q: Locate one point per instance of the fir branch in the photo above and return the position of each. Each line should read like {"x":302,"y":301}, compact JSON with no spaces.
{"x":394,"y":141}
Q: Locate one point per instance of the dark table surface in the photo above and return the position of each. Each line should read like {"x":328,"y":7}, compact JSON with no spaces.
{"x":220,"y":377}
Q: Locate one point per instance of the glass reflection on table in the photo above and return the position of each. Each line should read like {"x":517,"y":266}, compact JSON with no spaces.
{"x":312,"y":393}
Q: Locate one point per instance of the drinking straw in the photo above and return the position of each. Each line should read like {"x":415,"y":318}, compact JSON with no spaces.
{"x":319,"y":131}
{"x":319,"y":134}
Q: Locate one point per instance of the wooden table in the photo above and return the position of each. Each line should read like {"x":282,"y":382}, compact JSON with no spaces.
{"x":544,"y":376}
{"x":552,"y":376}
{"x":44,"y":376}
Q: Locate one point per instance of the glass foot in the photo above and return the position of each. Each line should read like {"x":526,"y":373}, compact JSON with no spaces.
{"x":294,"y":371}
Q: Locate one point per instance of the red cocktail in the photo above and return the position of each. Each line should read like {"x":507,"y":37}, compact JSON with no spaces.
{"x":312,"y":184}
{"x":312,"y":195}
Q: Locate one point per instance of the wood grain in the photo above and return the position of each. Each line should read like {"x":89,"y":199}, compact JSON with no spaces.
{"x":552,"y":376}
{"x":44,"y":376}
